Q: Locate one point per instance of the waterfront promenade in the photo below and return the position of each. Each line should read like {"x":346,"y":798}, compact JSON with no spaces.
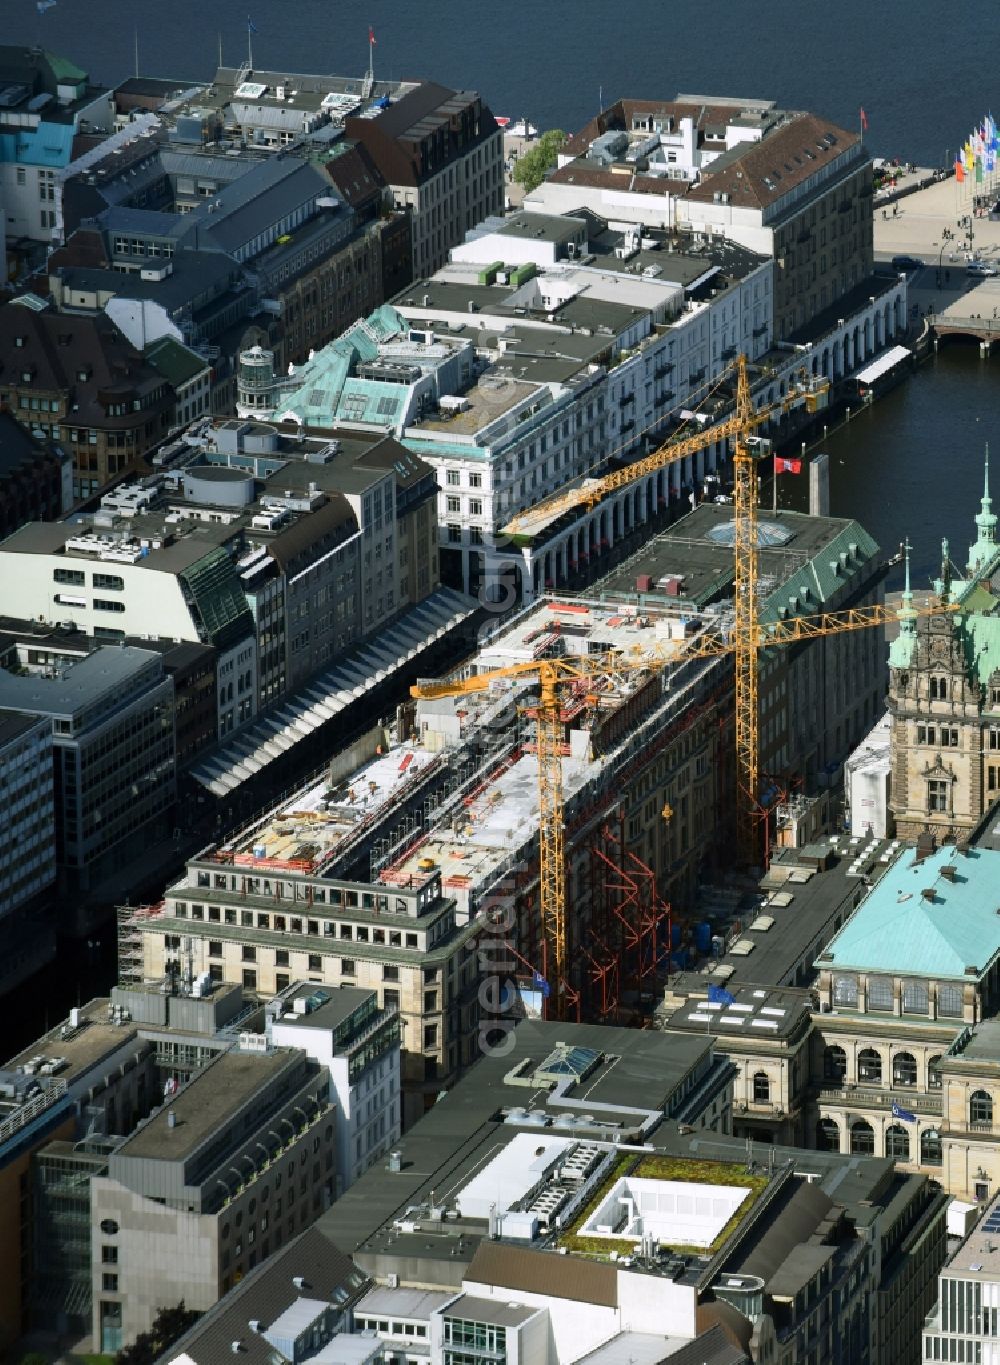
{"x":921,"y":218}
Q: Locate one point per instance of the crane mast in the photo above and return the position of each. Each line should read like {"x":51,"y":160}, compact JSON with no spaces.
{"x":745,"y":626}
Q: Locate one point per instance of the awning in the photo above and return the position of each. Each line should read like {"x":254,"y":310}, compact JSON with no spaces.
{"x":295,"y":718}
{"x":885,"y":362}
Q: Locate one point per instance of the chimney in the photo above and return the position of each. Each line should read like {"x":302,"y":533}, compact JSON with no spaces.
{"x":819,"y":486}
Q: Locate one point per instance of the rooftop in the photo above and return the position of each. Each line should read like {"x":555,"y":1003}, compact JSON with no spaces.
{"x":927,"y":916}
{"x":213,"y":1095}
{"x":809,"y":558}
{"x":330,"y":1006}
{"x":79,"y":684}
{"x":78,"y":1048}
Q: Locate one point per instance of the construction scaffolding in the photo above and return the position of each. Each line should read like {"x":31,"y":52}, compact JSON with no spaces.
{"x":129,"y":920}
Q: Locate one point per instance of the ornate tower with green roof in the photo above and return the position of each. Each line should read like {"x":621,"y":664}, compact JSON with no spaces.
{"x":944,"y":695}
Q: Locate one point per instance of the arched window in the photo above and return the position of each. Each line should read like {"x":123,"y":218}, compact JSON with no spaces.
{"x":869,"y":1066}
{"x":981,"y":1109}
{"x":862,"y":1138}
{"x":933,"y":1073}
{"x":897,"y":1142}
{"x":939,"y":689}
{"x":904,"y":1069}
{"x":828,"y":1135}
{"x":834,"y":1063}
{"x":930,"y":1147}
{"x":915,"y":997}
{"x":761,"y":1086}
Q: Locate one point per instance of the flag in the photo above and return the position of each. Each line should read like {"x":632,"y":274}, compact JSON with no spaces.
{"x":898,"y":1112}
{"x":540,"y":984}
{"x":43,"y":5}
{"x":979,"y":170}
{"x":959,"y":172}
{"x":717,"y":995}
{"x":251,"y":26}
{"x":371,"y":36}
{"x":784,"y":466}
{"x":864,"y":121}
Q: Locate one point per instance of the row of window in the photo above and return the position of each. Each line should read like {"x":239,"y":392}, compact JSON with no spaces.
{"x":915,"y":996}
{"x":861,"y":1141}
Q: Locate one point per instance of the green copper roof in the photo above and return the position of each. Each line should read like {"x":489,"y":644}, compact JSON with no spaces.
{"x":323,"y":380}
{"x":822,"y":576}
{"x":899,"y":930}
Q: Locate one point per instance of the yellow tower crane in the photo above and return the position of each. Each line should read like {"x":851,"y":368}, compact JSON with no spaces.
{"x":553,"y":673}
{"x":739,"y":426}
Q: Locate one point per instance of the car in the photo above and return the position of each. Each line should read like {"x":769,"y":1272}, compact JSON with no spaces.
{"x":980,"y":270}
{"x":905,"y":263}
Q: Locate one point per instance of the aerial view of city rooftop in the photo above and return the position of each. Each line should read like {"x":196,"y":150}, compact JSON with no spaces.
{"x":500,"y":753}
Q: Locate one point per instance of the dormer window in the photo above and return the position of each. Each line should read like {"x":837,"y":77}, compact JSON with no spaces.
{"x":20,"y":341}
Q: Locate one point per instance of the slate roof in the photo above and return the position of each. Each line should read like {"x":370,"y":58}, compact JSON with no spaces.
{"x":544,"y":1272}
{"x":264,"y":1295}
{"x":757,"y":174}
{"x":899,"y":930}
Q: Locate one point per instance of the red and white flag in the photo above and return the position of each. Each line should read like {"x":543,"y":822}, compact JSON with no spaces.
{"x":785,"y":466}
{"x":371,"y":36}
{"x":864,"y":121}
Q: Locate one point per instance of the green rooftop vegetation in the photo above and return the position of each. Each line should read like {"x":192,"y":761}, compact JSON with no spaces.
{"x":686,"y":1169}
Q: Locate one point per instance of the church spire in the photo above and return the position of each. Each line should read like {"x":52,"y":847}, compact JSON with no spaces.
{"x":986,"y":524}
{"x":901,"y":649}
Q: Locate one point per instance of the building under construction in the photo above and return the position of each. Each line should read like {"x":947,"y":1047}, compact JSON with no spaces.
{"x":422,"y":841}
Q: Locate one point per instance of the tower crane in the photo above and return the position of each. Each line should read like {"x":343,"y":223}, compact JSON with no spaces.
{"x":552,"y":674}
{"x":592,"y":491}
{"x":739,"y":426}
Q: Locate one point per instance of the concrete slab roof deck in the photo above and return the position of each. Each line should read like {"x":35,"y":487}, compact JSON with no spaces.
{"x":203,"y":1106}
{"x":83,"y":1048}
{"x":475,"y":1309}
{"x":953,"y":932}
{"x":340,"y":1004}
{"x":82,"y":682}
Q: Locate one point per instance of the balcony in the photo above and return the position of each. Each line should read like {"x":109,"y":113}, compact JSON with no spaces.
{"x":863,"y":1097}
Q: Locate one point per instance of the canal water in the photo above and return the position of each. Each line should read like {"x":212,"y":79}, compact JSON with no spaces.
{"x":911,"y":464}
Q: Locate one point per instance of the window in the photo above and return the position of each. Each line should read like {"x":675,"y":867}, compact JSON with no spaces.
{"x":834,"y":1064}
{"x":475,"y":507}
{"x":934,"y":1073}
{"x":869,"y":1066}
{"x":937,"y":794}
{"x":915,"y":997}
{"x":980,"y":1109}
{"x":475,"y":480}
{"x":454,"y":478}
{"x":904,"y":1069}
{"x":430,"y":1035}
{"x":761,"y":1087}
{"x":949,"y":1002}
{"x":281,"y":957}
{"x":249,"y":953}
{"x":214,"y":947}
{"x":930,"y":1148}
{"x":250,"y":980}
{"x":845,"y":991}
{"x":897,"y":1142}
{"x":109,"y":581}
{"x":453,"y":504}
{"x":109,"y":1255}
{"x":109,"y":1282}
{"x":880,"y":993}
{"x":828,"y":1135}
{"x":939,"y":689}
{"x":862,"y":1138}
{"x":105,"y":604}
{"x":346,"y":967}
{"x":73,"y":576}
{"x":315,"y":962}
{"x":390,"y":1000}
{"x":390,"y":973}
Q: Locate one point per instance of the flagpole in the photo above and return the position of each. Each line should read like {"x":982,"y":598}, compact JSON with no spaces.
{"x":137,"y":51}
{"x":220,"y":49}
{"x":250,"y":45}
